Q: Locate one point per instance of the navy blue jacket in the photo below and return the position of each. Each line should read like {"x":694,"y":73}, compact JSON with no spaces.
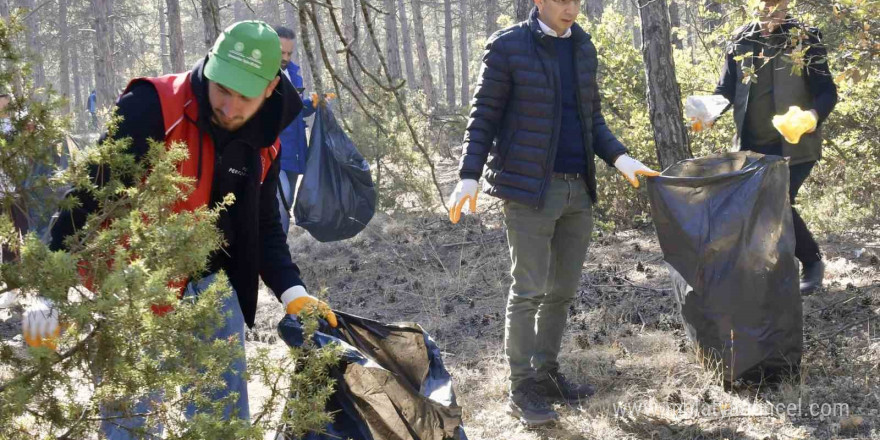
{"x":517,"y":114}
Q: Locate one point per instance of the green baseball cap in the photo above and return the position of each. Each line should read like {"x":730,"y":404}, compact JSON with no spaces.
{"x":246,"y":57}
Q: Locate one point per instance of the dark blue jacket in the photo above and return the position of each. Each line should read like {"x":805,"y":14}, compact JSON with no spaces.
{"x":293,"y":138}
{"x":516,"y":117}
{"x":90,"y":104}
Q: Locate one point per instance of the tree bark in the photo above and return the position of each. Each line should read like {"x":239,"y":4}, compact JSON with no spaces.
{"x":449,"y":49}
{"x":35,"y":52}
{"x":77,"y":88}
{"x":304,"y":11}
{"x":211,"y":17}
{"x":636,"y":28}
{"x":392,"y":45}
{"x":594,"y":9}
{"x":178,"y":61}
{"x":105,"y":84}
{"x":64,"y":57}
{"x":521,"y":9}
{"x":663,"y":93}
{"x":422,"y":51}
{"x":675,"y":22}
{"x":163,"y":40}
{"x":465,"y":58}
{"x":273,"y":12}
{"x":491,"y":17}
{"x":407,"y":46}
{"x":4,"y":9}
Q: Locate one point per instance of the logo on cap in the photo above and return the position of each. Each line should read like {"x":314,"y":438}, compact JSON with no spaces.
{"x":239,"y":47}
{"x":256,"y":54}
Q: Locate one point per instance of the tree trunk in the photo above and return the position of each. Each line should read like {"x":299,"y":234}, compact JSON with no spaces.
{"x":594,"y":10}
{"x":211,"y":17}
{"x":465,"y":58}
{"x":304,"y":11}
{"x":35,"y":53}
{"x":273,"y":12}
{"x":105,"y":84}
{"x":290,"y":21}
{"x":163,"y":40}
{"x":449,"y":49}
{"x":663,"y":93}
{"x":675,"y":22}
{"x":392,"y":45}
{"x":491,"y":17}
{"x":636,"y":29}
{"x":407,"y":46}
{"x":238,"y":8}
{"x":4,"y":9}
{"x":178,"y":61}
{"x":78,"y":106}
{"x":718,"y":10}
{"x":521,"y":9}
{"x":422,"y":51}
{"x":64,"y":67}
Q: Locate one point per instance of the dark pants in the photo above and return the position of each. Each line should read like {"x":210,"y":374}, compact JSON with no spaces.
{"x":806,"y":249}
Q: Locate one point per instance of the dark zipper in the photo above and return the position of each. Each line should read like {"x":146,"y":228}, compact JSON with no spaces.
{"x":557,"y":120}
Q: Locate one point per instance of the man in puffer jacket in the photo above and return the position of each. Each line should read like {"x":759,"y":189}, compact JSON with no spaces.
{"x":536,"y":119}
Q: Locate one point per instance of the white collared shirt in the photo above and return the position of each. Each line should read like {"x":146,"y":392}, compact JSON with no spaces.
{"x":547,"y":30}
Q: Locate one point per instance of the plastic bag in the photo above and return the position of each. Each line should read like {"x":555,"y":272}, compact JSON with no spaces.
{"x":702,"y":111}
{"x":725,"y":227}
{"x":391,"y":383}
{"x":336,"y":198}
{"x":794,"y":123}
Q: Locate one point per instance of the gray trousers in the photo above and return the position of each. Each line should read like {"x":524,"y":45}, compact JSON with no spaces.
{"x":547,"y":248}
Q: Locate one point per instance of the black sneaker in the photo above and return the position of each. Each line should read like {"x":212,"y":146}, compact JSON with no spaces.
{"x":528,"y":405}
{"x":812,"y":277}
{"x":556,"y":387}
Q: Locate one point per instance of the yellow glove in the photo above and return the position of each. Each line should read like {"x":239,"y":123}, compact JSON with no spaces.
{"x":631,"y":169}
{"x":327,"y":97}
{"x":296,"y":299}
{"x":466,"y":190}
{"x":39,"y":325}
{"x":793,"y":124}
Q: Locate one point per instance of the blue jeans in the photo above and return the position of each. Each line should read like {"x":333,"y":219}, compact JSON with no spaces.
{"x":286,"y":190}
{"x":233,"y":326}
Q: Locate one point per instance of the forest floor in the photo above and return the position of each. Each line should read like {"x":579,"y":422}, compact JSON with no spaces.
{"x":624,"y":333}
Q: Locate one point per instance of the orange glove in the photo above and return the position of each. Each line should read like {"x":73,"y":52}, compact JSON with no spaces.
{"x":465,"y":190}
{"x":39,"y":325}
{"x":296,"y":299}
{"x":631,"y":169}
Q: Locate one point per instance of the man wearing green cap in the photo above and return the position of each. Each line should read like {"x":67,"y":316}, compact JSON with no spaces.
{"x":229,"y":111}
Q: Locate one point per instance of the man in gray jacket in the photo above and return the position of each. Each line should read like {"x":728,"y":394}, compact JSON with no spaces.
{"x":536,"y":125}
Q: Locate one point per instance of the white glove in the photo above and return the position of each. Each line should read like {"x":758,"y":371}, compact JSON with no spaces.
{"x":39,"y":324}
{"x":631,"y":169}
{"x":703,"y":111}
{"x":464,"y":191}
{"x":296,"y":299}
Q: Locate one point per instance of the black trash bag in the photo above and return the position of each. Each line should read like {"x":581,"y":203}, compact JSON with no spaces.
{"x":725,"y":227}
{"x":391,"y":383}
{"x":336,"y":197}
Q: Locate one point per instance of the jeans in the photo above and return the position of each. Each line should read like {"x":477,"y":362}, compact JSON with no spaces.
{"x":233,"y":327}
{"x":547,"y":249}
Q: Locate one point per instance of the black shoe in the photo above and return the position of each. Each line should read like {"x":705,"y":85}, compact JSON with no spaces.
{"x":556,"y":387}
{"x":812,"y":277}
{"x":528,"y":405}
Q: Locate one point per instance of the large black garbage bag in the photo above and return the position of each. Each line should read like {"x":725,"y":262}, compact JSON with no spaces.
{"x":336,"y":197}
{"x":725,"y":227}
{"x":391,"y":385}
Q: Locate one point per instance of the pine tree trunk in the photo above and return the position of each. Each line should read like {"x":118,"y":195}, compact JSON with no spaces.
{"x":663,"y":93}
{"x":491,"y":17}
{"x":104,"y":74}
{"x":35,"y":52}
{"x":594,"y":10}
{"x":4,"y":9}
{"x":64,"y":57}
{"x":407,"y":46}
{"x":178,"y":61}
{"x":238,"y":9}
{"x":422,"y":51}
{"x":163,"y":40}
{"x":465,"y":58}
{"x":211,"y":17}
{"x":675,"y":22}
{"x":273,"y":12}
{"x":636,"y":29}
{"x":392,"y":45}
{"x":78,"y":106}
{"x":449,"y":49}
{"x":521,"y":9}
{"x":304,"y":11}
